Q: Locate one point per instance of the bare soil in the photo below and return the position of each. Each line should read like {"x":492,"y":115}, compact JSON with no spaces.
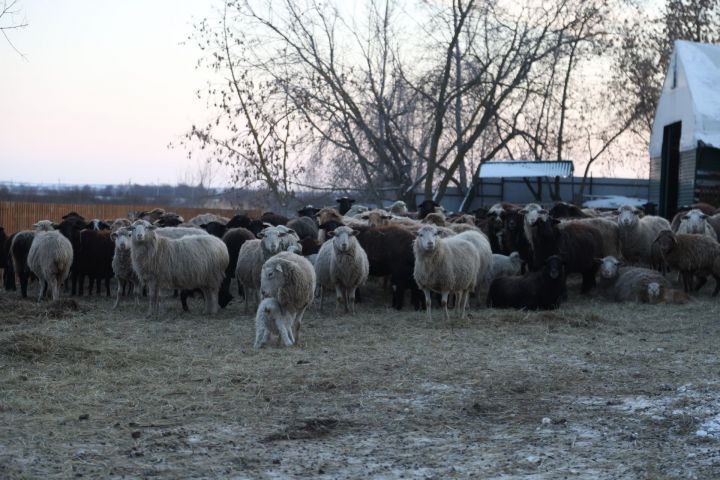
{"x":595,"y":390}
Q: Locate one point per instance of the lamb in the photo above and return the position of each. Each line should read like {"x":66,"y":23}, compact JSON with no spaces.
{"x":252,"y":256}
{"x":122,"y":264}
{"x":119,"y":223}
{"x":637,"y":284}
{"x":445,"y":265}
{"x":637,"y":234}
{"x":695,"y":222}
{"x":270,"y":318}
{"x":290,"y":280}
{"x":543,"y":289}
{"x":504,"y":266}
{"x":274,"y":219}
{"x":19,"y":250}
{"x":308,"y":211}
{"x":691,"y":255}
{"x":50,"y":258}
{"x":347,"y":266}
{"x":657,"y":293}
{"x":190,"y":262}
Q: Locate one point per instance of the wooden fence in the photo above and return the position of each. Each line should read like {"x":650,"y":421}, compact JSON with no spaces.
{"x":16,"y":216}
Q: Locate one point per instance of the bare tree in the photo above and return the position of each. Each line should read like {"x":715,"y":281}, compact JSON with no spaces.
{"x":10,"y":20}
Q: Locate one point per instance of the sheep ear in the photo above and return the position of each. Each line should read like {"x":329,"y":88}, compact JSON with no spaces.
{"x":56,"y":225}
{"x":260,"y":235}
{"x":331,"y":233}
{"x":354,"y":233}
{"x":151,"y":227}
{"x":36,"y":224}
{"x":365,"y":217}
{"x":524,"y":211}
{"x":555,"y":221}
{"x":113,"y":236}
{"x":387,"y":217}
{"x":278,"y":267}
{"x":597,"y":261}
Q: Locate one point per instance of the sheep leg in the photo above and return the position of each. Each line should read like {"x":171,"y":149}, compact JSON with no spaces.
{"x":55,"y":288}
{"x":285,"y":333}
{"x":247,"y":299}
{"x":261,"y":335}
{"x":296,"y":331}
{"x":43,"y":286}
{"x":211,"y":297}
{"x":351,"y":299}
{"x":136,"y":292}
{"x":120,"y":288}
{"x":717,"y":285}
{"x":153,"y":292}
{"x":444,"y":302}
{"x":338,"y":300}
{"x":462,"y":302}
{"x":427,"y":303}
{"x":107,"y":286}
{"x":700,"y":283}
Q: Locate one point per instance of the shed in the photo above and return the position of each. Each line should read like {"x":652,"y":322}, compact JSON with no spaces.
{"x":685,"y":137}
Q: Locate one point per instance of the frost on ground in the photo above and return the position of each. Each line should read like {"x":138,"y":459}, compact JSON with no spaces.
{"x":594,"y":391}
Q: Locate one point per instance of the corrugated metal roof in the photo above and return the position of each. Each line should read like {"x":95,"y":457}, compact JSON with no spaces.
{"x":563,"y":168}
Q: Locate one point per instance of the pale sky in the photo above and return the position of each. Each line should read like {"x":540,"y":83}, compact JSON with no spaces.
{"x":105,"y":87}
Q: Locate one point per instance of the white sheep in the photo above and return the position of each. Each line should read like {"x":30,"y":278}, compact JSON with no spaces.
{"x":191,"y":262}
{"x":342,"y":264}
{"x":695,"y":222}
{"x":122,"y":264}
{"x":49,"y":258}
{"x":637,"y":234}
{"x":270,"y":318}
{"x":504,"y":266}
{"x":531,"y":212}
{"x":445,"y":265}
{"x":289,"y":279}
{"x":253,"y":255}
{"x":399,"y":208}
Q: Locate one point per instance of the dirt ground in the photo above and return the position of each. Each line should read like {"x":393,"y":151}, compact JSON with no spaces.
{"x":594,"y":390}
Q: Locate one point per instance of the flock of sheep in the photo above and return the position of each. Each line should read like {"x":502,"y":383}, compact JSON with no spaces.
{"x":505,"y":256}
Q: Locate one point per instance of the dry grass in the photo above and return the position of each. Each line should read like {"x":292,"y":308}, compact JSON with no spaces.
{"x":594,"y":390}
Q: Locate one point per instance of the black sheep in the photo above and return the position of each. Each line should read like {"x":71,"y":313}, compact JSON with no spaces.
{"x":305,"y":227}
{"x":514,"y":237}
{"x":19,"y":250}
{"x":390,"y":252}
{"x":579,"y":245}
{"x":239,"y":220}
{"x":425,"y":208}
{"x":214,"y":228}
{"x":542,"y":290}
{"x":234,"y":239}
{"x":274,"y":219}
{"x":3,"y":239}
{"x":345,"y":204}
{"x":70,"y":227}
{"x":95,"y":254}
{"x":6,"y":259}
{"x":308,"y":211}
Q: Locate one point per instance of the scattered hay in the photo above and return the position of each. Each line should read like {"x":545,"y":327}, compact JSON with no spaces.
{"x":36,"y":346}
{"x":27,"y":346}
{"x":305,"y":430}
{"x":62,"y":308}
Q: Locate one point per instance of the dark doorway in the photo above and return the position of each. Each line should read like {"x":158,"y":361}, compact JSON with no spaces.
{"x":670,"y":170}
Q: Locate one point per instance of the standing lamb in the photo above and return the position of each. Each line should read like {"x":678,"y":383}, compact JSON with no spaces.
{"x":50,"y":258}
{"x":290,"y":280}
{"x":445,"y":265}
{"x":504,"y":266}
{"x":190,"y":262}
{"x":637,"y":234}
{"x":122,"y":264}
{"x":342,"y":264}
{"x":270,"y":318}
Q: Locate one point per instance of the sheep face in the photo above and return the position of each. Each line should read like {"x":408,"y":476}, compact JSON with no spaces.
{"x":427,"y":238}
{"x":270,"y":237}
{"x":547,"y":227}
{"x":44,"y":226}
{"x":399,"y":208}
{"x":554,"y":267}
{"x":271,"y":279}
{"x":377,"y":218}
{"x":666,"y":241}
{"x":628,"y":216}
{"x":121,"y":239}
{"x":609,"y":267}
{"x":342,"y":238}
{"x":695,"y":221}
{"x":514,"y":221}
{"x":531,"y":213}
{"x":142,"y":231}
{"x":654,"y":291}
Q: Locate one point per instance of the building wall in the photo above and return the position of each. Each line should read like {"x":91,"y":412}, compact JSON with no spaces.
{"x":654,"y":180}
{"x":686,"y":189}
{"x":514,"y":190}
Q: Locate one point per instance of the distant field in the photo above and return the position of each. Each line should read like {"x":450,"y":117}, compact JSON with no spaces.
{"x":592,"y":391}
